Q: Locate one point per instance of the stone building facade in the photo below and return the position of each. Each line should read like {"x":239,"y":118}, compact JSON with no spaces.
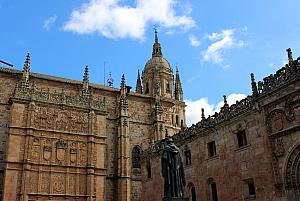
{"x":247,"y":151}
{"x":73,"y":140}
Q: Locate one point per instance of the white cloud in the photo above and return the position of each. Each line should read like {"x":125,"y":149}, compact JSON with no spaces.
{"x":222,"y":41}
{"x":112,"y":19}
{"x":193,"y":109}
{"x":48,"y":23}
{"x":194,"y":41}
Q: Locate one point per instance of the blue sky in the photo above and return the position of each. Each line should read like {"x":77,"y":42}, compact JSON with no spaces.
{"x":216,"y":44}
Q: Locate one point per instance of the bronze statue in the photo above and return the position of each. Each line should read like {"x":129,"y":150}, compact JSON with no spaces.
{"x":172,"y":171}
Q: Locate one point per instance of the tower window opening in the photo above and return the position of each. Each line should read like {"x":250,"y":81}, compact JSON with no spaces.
{"x":147,"y":88}
{"x":172,"y":119}
{"x":177,"y":120}
{"x":168,"y":87}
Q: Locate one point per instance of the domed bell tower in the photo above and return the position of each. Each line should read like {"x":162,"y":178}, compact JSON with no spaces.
{"x":157,"y":76}
{"x":158,"y":82}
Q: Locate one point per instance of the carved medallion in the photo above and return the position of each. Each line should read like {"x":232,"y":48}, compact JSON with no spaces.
{"x":58,"y":183}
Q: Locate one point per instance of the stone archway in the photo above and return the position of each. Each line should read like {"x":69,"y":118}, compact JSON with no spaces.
{"x":292,"y":175}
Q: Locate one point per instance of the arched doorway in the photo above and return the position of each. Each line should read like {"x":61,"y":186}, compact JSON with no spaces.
{"x":292,"y":176}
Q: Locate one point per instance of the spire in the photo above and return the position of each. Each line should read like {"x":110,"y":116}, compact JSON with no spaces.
{"x":156,"y":46}
{"x":26,"y":67}
{"x":290,"y":55}
{"x":178,"y":88}
{"x":254,"y":86}
{"x":123,"y":87}
{"x":85,"y":81}
{"x":202,"y":114}
{"x":225,"y":102}
{"x":138,"y":87}
{"x":156,"y":37}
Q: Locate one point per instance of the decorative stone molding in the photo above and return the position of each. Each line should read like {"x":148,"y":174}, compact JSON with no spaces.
{"x":32,"y":93}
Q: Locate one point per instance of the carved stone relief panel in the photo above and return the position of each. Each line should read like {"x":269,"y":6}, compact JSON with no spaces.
{"x":58,"y":183}
{"x":45,"y":182}
{"x":83,"y":153}
{"x":82,"y":184}
{"x":72,"y":183}
{"x":279,"y":147}
{"x":60,"y":119}
{"x":32,"y":182}
{"x":291,"y":104}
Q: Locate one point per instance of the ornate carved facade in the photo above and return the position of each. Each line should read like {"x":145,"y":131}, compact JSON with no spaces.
{"x":247,"y":151}
{"x":70,"y":140}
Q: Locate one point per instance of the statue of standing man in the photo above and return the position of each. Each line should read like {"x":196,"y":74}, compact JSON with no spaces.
{"x":172,"y":171}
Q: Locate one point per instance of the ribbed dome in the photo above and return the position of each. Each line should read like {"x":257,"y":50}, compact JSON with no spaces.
{"x":158,"y":62}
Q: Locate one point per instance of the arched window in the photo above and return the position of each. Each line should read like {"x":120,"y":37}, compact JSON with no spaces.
{"x":136,"y":158}
{"x":193,"y":192}
{"x":214,"y":192}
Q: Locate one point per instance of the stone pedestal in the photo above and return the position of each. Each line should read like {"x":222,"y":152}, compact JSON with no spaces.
{"x":175,"y":199}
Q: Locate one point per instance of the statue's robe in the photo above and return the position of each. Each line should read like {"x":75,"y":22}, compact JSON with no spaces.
{"x":172,"y":171}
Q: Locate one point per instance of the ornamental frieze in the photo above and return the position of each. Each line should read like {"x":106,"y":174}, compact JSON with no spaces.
{"x":59,"y":119}
{"x":33,"y":93}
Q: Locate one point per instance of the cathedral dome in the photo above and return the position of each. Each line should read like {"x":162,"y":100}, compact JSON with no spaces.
{"x":159,"y":63}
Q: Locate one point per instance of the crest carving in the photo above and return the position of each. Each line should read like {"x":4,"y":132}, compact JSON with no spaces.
{"x":61,"y":147}
{"x":47,"y":152}
{"x":275,"y":120}
{"x":35,"y":149}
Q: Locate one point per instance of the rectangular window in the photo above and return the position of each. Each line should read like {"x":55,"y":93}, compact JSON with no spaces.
{"x":241,"y":137}
{"x":211,"y":149}
{"x":251,"y":189}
